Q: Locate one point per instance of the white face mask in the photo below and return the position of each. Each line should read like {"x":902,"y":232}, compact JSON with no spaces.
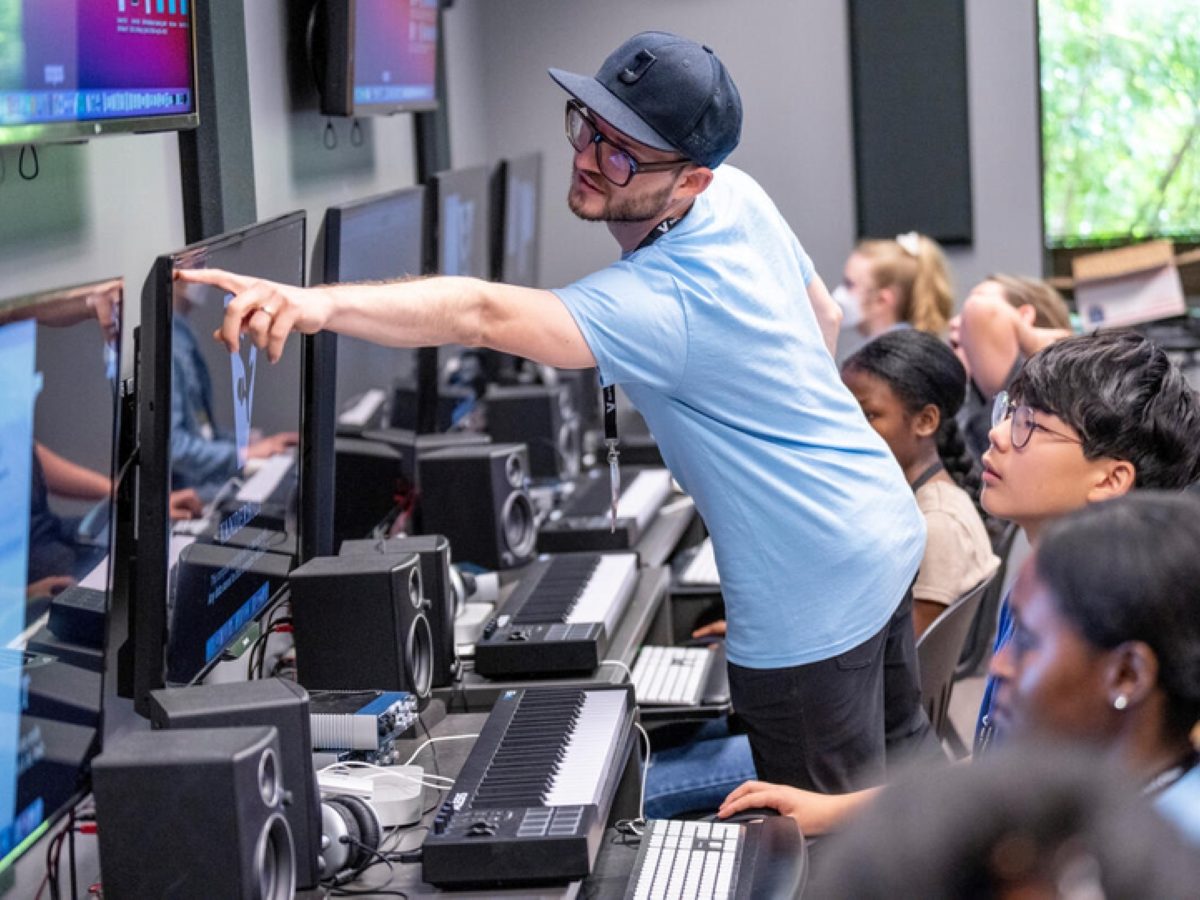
{"x":850,"y":306}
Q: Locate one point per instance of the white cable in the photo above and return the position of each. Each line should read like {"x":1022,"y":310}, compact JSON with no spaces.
{"x":619,"y":664}
{"x":645,"y":773}
{"x":341,"y":768}
{"x":434,"y":740}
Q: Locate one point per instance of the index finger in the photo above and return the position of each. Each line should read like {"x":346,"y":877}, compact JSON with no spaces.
{"x":228,"y":281}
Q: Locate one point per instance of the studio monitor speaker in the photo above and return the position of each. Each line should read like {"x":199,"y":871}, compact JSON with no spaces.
{"x":270,"y":701}
{"x":434,"y":551}
{"x":360,"y":623}
{"x":545,"y":418}
{"x":476,"y":497}
{"x":193,"y":814}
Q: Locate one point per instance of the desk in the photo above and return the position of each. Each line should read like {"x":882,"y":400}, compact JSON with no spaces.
{"x":474,"y":693}
{"x":660,"y":539}
{"x":450,"y":758}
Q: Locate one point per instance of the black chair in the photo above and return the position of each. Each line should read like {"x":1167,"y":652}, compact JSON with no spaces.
{"x":938,"y":650}
{"x":978,"y":645}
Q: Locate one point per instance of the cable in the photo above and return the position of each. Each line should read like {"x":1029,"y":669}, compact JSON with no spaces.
{"x":645,"y":772}
{"x":435,"y":740}
{"x":429,"y":781}
{"x":619,"y":664}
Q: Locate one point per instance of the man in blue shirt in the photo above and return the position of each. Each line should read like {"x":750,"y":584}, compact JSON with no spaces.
{"x":718,"y":329}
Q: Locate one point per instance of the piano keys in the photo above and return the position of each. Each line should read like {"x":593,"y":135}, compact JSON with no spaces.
{"x":533,"y":798}
{"x":585,"y":523}
{"x":561,"y":616}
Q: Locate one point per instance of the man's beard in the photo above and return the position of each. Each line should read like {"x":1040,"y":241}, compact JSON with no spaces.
{"x":625,"y":209}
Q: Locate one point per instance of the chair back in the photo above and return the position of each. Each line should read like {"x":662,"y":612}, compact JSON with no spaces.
{"x":938,"y":651}
{"x":978,"y":644}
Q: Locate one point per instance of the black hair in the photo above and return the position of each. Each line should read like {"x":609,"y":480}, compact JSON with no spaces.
{"x":1126,"y":399}
{"x":1128,"y":569}
{"x":1025,"y":816}
{"x":921,"y":370}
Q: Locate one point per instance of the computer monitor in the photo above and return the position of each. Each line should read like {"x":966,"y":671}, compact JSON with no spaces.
{"x":459,"y":202}
{"x":516,"y":195}
{"x":72,"y":70}
{"x":225,"y":425}
{"x":379,"y":238}
{"x":58,"y":414}
{"x":375,"y":57}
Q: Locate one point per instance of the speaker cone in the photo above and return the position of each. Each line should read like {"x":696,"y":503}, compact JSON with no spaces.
{"x":520,"y":530}
{"x":275,"y":861}
{"x":420,"y":656}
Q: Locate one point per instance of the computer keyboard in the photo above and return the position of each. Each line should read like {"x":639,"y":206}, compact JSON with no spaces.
{"x":702,"y":569}
{"x":672,"y":676}
{"x":686,"y":859}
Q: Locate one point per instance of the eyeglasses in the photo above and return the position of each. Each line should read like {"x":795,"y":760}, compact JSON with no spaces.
{"x":1023,"y":422}
{"x":615,"y":163}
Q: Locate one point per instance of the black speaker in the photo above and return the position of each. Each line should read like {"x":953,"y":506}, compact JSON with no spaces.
{"x":369,"y":482}
{"x":360,"y":623}
{"x":192,"y":815}
{"x":271,"y":701}
{"x":476,"y":497}
{"x":452,"y":401}
{"x":545,"y":418}
{"x":434,"y":551}
{"x":413,"y":447}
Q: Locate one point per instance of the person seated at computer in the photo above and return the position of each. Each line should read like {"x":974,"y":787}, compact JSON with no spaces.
{"x":57,"y":556}
{"x":203,"y":456}
{"x":910,"y":385}
{"x":899,"y":283}
{"x":1124,"y":418}
{"x":1004,"y":321}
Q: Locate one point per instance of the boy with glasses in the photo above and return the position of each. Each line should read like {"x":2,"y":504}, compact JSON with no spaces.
{"x":717,"y":328}
{"x":1087,"y":419}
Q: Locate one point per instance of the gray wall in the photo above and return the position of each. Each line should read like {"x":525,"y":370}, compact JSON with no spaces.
{"x":791,"y":63}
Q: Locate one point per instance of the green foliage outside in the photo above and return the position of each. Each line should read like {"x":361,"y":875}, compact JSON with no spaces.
{"x":1120,"y":82}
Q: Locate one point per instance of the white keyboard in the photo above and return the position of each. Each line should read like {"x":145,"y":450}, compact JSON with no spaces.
{"x":702,"y":569}
{"x":671,"y":676}
{"x":259,"y":486}
{"x":363,"y":409}
{"x":686,"y":859}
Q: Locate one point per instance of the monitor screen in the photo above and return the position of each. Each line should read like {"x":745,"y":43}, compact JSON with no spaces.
{"x":234,"y":431}
{"x":72,"y":69}
{"x":58,"y":406}
{"x":376,"y":57}
{"x":461,"y":222}
{"x":377,"y":239}
{"x":1119,"y":123}
{"x":516,"y":235}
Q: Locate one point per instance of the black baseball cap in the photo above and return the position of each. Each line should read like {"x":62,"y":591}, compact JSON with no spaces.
{"x":666,"y":92}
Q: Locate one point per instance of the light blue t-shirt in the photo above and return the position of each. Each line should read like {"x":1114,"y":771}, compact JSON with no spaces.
{"x":1180,"y":805}
{"x":711,"y":334}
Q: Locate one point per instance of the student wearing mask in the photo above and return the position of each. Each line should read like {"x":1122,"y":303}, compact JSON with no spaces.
{"x":896,"y":283}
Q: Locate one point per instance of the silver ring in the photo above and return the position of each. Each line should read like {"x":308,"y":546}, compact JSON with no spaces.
{"x":268,"y":310}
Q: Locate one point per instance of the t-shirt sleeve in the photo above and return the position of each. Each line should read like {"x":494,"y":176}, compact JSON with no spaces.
{"x":947,"y":559}
{"x":806,"y":265}
{"x":634,"y":323}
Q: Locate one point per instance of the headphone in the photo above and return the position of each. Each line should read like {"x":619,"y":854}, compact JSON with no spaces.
{"x":350,"y":837}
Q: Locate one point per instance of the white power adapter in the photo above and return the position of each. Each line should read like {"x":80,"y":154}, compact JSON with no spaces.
{"x":394,"y":792}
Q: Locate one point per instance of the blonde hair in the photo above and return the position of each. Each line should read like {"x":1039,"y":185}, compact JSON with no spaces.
{"x":915,"y":267}
{"x":1049,"y":306}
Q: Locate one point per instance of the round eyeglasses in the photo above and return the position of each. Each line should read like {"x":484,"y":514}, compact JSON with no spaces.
{"x":1024,"y":423}
{"x":614,"y":162}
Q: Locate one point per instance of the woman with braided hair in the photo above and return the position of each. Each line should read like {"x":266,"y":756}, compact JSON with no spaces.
{"x":910,"y":385}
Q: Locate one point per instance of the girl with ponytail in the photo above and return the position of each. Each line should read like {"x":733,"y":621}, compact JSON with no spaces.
{"x":910,"y":385}
{"x":903,"y":282}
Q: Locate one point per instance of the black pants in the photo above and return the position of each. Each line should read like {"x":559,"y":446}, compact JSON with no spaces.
{"x":836,"y":725}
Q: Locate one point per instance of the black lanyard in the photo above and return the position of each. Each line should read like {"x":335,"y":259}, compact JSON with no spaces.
{"x":933,"y":469}
{"x":610,"y":392}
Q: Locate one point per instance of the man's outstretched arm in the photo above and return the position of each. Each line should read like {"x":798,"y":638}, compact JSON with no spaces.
{"x":418,"y":312}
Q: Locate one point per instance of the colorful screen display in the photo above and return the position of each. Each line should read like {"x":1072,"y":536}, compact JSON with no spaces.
{"x":395,"y":53}
{"x":93,"y":62}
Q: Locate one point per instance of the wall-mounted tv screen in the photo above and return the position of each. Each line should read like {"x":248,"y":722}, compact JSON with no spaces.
{"x":376,"y":57}
{"x":72,"y":69}
{"x":1119,"y":121}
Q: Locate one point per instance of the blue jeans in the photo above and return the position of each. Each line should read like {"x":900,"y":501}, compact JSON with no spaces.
{"x":698,"y":775}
